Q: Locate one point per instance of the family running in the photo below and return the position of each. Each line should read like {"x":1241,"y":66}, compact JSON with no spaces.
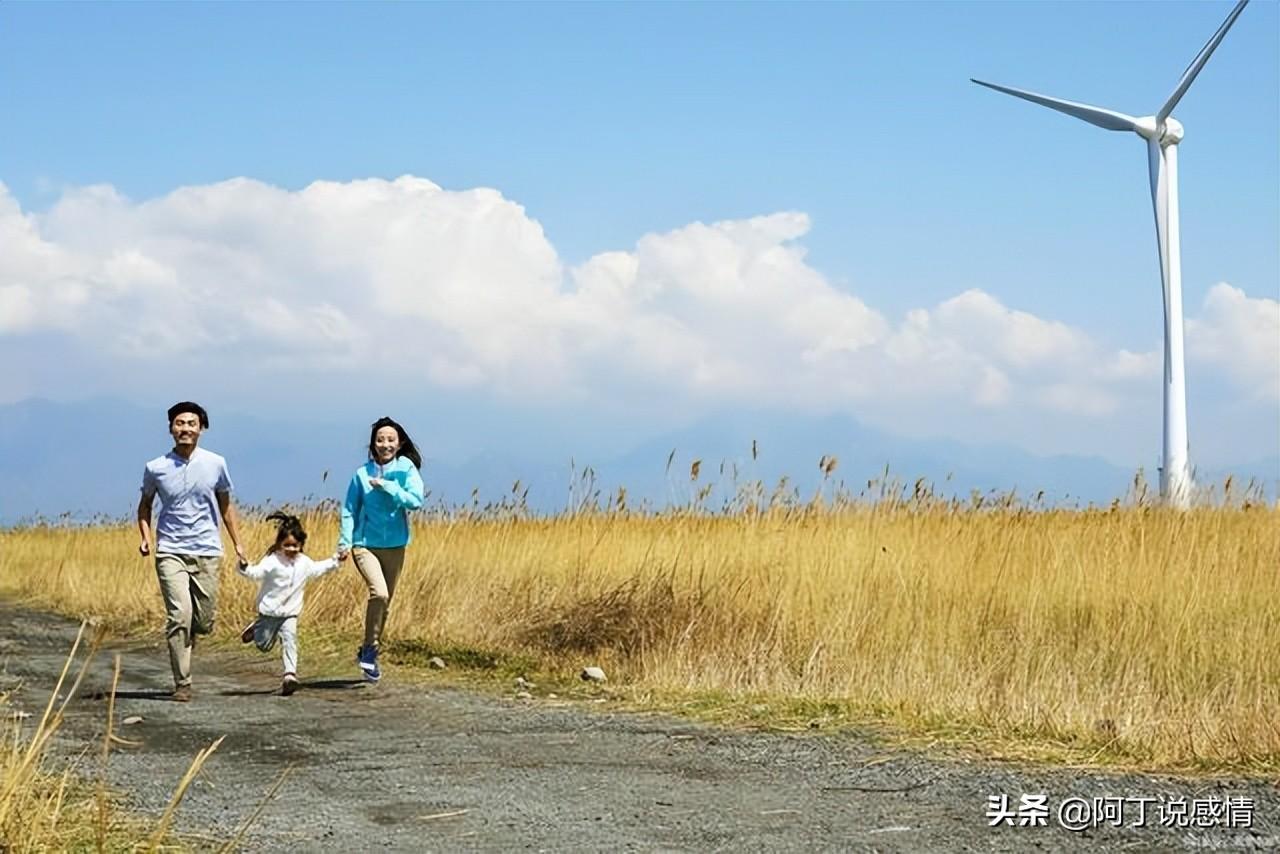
{"x":194,"y":488}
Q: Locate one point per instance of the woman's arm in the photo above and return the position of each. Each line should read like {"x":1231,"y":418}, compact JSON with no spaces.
{"x":350,"y":510}
{"x":409,"y":496}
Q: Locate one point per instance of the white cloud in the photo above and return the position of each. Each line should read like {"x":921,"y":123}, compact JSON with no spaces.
{"x":1240,"y":335}
{"x":993,"y":388}
{"x":463,"y":290}
{"x":17,"y":309}
{"x":1016,"y":339}
{"x":1124,"y":365}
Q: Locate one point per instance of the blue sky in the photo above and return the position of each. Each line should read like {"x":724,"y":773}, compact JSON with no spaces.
{"x":606,"y":123}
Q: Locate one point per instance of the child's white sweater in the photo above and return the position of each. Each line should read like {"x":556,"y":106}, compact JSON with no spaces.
{"x":283,"y":580}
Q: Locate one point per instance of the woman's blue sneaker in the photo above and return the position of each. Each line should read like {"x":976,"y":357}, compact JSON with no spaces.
{"x":367,"y":656}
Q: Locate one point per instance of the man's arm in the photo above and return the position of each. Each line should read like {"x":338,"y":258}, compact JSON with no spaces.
{"x":144,"y":523}
{"x":228,"y":511}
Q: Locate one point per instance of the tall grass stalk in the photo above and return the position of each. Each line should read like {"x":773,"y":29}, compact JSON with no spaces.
{"x":42,"y":809}
{"x":162,"y":826}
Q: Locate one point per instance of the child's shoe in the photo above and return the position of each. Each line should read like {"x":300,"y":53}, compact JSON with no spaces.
{"x":289,"y":685}
{"x":247,"y":635}
{"x":367,"y":656}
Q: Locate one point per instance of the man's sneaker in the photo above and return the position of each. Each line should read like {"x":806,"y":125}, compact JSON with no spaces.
{"x":181,"y":694}
{"x":367,"y":656}
{"x":247,"y":635}
{"x":289,"y":685}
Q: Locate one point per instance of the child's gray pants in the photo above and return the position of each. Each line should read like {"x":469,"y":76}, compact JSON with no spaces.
{"x":267,"y":629}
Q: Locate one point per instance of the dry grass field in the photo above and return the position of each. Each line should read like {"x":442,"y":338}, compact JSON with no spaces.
{"x":1127,"y":635}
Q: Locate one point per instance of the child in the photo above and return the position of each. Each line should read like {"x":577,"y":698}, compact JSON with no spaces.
{"x":284,"y":570}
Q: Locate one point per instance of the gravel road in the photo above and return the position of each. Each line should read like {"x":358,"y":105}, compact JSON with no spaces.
{"x":410,"y":767}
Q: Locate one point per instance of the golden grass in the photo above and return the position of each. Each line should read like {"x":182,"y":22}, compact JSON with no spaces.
{"x":1129,"y":635}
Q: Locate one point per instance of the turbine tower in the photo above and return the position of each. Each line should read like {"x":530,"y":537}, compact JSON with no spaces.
{"x":1162,"y":133}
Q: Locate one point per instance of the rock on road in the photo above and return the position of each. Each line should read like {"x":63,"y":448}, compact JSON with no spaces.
{"x":415,"y":768}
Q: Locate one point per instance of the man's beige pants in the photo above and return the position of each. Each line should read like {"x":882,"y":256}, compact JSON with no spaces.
{"x":380,"y":569}
{"x":189,"y":584}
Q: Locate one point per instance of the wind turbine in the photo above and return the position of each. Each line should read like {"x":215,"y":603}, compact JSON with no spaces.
{"x":1162,"y":133}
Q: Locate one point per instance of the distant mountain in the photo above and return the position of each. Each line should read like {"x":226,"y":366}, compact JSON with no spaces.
{"x":793,"y":446}
{"x":1263,"y":475}
{"x":86,"y":458}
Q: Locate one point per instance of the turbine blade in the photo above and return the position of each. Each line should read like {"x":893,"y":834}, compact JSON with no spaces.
{"x":1193,"y":69}
{"x":1109,"y":119}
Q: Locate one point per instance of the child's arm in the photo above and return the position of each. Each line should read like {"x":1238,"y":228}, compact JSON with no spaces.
{"x":322,"y":567}
{"x":255,"y":571}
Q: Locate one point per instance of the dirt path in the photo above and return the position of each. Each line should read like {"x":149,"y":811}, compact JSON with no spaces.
{"x":410,"y":768}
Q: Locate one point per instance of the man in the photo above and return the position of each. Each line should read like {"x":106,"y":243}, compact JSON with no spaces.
{"x":194,"y":489}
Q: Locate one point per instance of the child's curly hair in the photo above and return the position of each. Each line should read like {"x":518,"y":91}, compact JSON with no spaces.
{"x":287,"y":525}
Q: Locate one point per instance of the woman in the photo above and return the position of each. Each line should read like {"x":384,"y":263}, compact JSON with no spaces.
{"x":375,"y":526}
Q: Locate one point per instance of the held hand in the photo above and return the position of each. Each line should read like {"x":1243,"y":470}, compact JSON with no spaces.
{"x":144,"y":548}
{"x":376,"y":482}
